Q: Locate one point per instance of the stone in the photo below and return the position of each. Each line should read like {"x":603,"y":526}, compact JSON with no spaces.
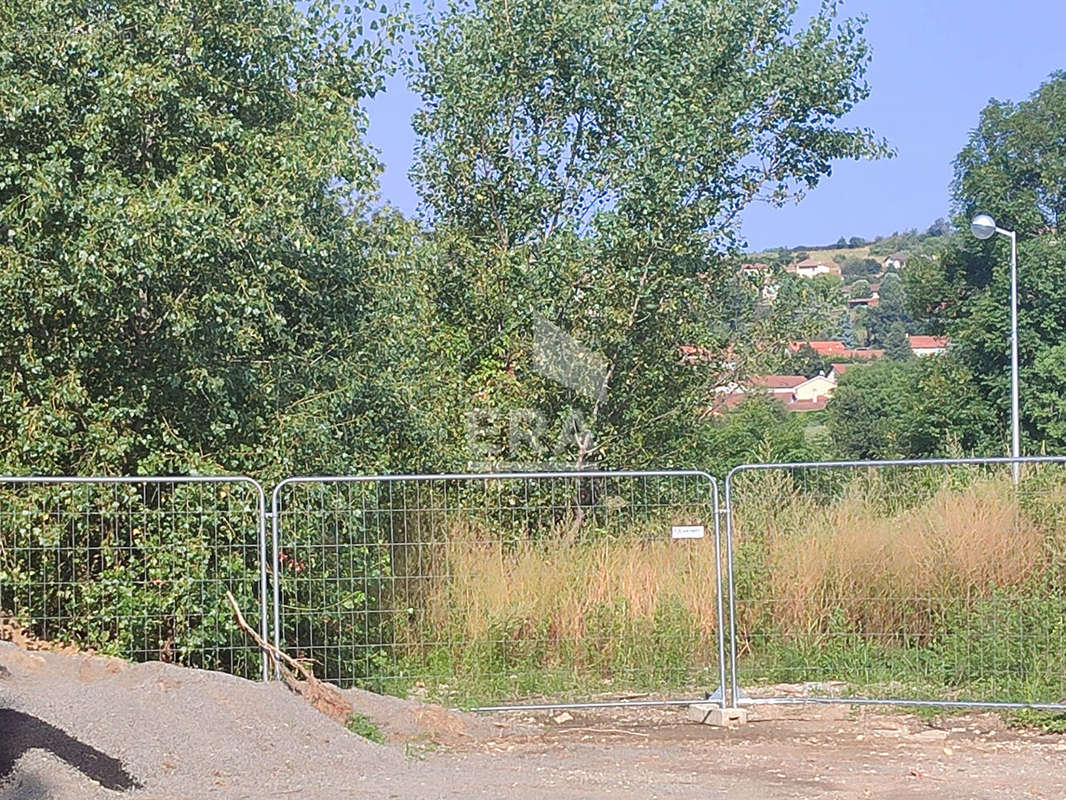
{"x":712,"y":714}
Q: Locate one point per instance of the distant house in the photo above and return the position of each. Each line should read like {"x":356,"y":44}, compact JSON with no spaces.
{"x":823,"y":347}
{"x":895,"y":261}
{"x":784,"y":385}
{"x":873,"y":301}
{"x":807,"y":405}
{"x":868,"y":353}
{"x":810,"y":267}
{"x":795,"y":392}
{"x":817,"y":388}
{"x":928,"y":345}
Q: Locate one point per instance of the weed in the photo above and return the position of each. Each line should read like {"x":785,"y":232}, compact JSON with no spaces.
{"x":362,"y":725}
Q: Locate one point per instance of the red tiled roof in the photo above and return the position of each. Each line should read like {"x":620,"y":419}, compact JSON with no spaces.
{"x":778,"y":381}
{"x":831,"y":348}
{"x":930,"y":342}
{"x":821,"y":347}
{"x":869,"y":302}
{"x":723,"y":402}
{"x":865,"y":352}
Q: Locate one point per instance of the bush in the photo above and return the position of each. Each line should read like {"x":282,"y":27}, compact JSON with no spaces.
{"x":138,"y":570}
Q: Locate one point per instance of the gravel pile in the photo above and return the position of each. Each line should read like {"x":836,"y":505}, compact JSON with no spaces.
{"x":71,"y":725}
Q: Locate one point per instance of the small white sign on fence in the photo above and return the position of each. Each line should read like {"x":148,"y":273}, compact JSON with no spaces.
{"x":686,"y":532}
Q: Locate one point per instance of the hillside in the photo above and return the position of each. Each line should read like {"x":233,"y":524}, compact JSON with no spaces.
{"x":907,"y":243}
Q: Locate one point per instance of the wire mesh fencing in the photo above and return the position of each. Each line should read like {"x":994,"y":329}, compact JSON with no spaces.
{"x":137,"y":567}
{"x":936,"y":581}
{"x":466,"y":588}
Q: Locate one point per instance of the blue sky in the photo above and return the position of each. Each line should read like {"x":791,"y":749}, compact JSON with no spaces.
{"x":935,"y":65}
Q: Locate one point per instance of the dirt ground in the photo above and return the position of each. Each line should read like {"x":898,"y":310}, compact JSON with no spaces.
{"x":79,"y":726}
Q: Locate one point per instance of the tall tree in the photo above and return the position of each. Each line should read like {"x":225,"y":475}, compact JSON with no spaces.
{"x":897,"y":345}
{"x":1013,"y":167}
{"x":907,"y":409}
{"x":188,"y":264}
{"x":584,"y":163}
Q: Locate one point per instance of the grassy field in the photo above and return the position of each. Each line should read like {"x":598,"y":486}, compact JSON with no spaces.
{"x":948,"y":586}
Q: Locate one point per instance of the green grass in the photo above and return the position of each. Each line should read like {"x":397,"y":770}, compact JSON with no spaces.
{"x":362,"y":725}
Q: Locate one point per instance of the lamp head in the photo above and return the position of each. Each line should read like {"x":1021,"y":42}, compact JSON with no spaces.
{"x":983,"y":226}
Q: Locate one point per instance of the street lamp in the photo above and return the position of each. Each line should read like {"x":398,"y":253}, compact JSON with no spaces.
{"x":984,"y":227}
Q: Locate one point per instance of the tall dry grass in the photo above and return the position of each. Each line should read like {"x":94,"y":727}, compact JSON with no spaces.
{"x":877,"y":574}
{"x":563,"y":589}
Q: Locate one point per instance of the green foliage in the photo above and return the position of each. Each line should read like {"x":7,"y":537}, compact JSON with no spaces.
{"x":567,"y":178}
{"x":893,"y":298}
{"x":362,"y":725}
{"x":897,"y":345}
{"x":806,"y":362}
{"x":188,"y":276}
{"x":860,"y":289}
{"x":905,"y":409}
{"x":853,"y":268}
{"x":808,"y":308}
{"x":193,"y":282}
{"x":759,"y":429}
{"x":135,"y":570}
{"x":1013,"y":168}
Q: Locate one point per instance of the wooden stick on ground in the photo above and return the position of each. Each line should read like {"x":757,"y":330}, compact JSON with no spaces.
{"x":322,"y":696}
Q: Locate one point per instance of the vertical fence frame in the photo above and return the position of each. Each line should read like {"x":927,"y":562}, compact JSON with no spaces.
{"x":177,"y":481}
{"x":711,"y":499}
{"x":735,"y":693}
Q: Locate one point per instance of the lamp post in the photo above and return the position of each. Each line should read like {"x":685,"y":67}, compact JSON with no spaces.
{"x":984,"y":227}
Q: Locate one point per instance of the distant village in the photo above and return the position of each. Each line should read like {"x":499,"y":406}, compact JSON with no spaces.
{"x":857,"y":270}
{"x":798,"y":393}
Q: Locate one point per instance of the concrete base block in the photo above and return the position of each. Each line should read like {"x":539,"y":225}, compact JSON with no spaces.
{"x":711,"y":714}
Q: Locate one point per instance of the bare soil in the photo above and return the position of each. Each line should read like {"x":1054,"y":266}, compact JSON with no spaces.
{"x":73,"y":724}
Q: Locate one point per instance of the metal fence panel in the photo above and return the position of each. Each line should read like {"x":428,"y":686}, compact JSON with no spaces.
{"x":931,"y":582}
{"x":506,"y":585}
{"x":137,"y":567}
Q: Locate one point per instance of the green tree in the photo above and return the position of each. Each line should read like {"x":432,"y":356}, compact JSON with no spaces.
{"x":906,"y":409}
{"x":568,"y":179}
{"x":193,"y":281}
{"x":887,"y":324}
{"x":859,"y":268}
{"x":806,"y":362}
{"x":893,"y":297}
{"x":190,"y":274}
{"x":860,"y":289}
{"x":1014,"y":167}
{"x":759,"y":429}
{"x":897,"y":345}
